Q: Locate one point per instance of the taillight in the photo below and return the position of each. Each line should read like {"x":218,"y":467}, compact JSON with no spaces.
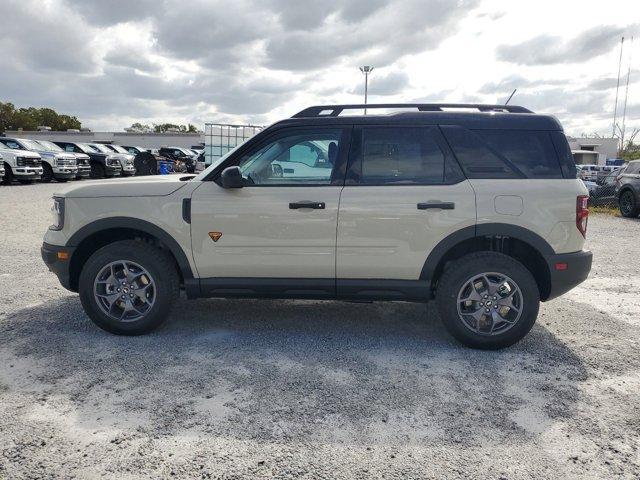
{"x":582,"y":214}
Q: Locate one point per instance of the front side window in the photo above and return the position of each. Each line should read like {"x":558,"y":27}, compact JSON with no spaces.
{"x":303,"y":158}
{"x":400,"y":156}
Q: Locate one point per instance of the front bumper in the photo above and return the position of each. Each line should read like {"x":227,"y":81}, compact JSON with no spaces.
{"x":65,"y":173}
{"x":567,"y":270}
{"x":111,"y":170}
{"x":27,"y":173}
{"x":84,"y":171}
{"x":56,"y":264}
{"x":128,"y":171}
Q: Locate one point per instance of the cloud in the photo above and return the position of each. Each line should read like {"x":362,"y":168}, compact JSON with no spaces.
{"x":607,"y":83}
{"x":390,"y":84}
{"x":131,"y":58}
{"x":37,"y":35}
{"x":551,"y":49}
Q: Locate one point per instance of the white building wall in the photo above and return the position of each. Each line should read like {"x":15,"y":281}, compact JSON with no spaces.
{"x":604,"y":147}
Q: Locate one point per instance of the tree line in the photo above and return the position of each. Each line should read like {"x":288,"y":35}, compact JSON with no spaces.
{"x":12,"y":118}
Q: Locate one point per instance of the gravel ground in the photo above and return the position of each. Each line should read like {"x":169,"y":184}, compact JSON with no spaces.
{"x":301,"y":389}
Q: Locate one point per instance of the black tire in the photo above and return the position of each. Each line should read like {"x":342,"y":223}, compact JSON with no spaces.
{"x":628,"y":204}
{"x":97,"y":170}
{"x":47,"y":173}
{"x":145,"y":163}
{"x":8,"y":175}
{"x":160,"y":266}
{"x":460,"y":272}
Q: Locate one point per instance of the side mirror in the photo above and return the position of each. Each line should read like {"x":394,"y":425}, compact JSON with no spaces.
{"x":231,"y":177}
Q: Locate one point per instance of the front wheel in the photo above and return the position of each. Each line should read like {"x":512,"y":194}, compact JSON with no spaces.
{"x":128,"y":287}
{"x":97,"y":170}
{"x":487,"y":300}
{"x":628,"y":205}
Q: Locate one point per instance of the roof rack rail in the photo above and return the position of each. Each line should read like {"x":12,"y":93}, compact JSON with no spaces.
{"x":335,"y":110}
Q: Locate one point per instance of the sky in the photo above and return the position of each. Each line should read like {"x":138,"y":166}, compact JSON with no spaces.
{"x":112,"y":63}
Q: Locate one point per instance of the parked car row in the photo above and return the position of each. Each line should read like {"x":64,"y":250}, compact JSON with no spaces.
{"x":620,"y":187}
{"x":27,"y":160}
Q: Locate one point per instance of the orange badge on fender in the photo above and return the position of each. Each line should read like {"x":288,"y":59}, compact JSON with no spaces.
{"x":215,"y":236}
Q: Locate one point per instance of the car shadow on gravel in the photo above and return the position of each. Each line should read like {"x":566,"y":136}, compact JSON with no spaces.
{"x":381,"y":373}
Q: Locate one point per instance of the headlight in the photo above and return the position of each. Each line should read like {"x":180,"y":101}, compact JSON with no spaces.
{"x":57,"y":212}
{"x":20,"y":162}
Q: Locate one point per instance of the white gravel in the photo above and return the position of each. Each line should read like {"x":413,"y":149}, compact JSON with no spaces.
{"x":300,"y":389}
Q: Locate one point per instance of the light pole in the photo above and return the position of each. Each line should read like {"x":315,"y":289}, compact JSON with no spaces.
{"x":367,"y":69}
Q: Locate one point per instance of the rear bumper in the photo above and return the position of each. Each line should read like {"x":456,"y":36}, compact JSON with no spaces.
{"x":56,"y":265}
{"x":567,"y":270}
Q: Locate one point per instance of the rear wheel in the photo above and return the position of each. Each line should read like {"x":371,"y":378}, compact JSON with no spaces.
{"x":628,"y":204}
{"x":128,"y":287}
{"x":97,"y":170}
{"x":487,"y":300}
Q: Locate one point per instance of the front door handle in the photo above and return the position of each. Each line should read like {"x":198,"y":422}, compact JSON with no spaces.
{"x":436,"y":205}
{"x":307,"y":204}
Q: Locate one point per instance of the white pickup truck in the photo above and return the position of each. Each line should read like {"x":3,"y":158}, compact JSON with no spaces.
{"x":20,"y":165}
{"x":59,"y":165}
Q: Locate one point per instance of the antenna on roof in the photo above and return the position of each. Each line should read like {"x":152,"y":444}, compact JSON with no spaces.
{"x":511,"y":96}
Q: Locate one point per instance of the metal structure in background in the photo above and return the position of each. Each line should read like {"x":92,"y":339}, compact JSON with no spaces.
{"x":367,"y":69}
{"x":220,"y":138}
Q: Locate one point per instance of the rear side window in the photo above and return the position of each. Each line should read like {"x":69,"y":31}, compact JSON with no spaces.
{"x":475,"y":157}
{"x":530,"y":151}
{"x":504,"y":153}
{"x":402,"y":156}
{"x":634,"y":167}
{"x":567,"y":163}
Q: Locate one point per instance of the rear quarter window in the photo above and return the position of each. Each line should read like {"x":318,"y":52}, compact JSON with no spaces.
{"x":505,"y":153}
{"x":532,"y":152}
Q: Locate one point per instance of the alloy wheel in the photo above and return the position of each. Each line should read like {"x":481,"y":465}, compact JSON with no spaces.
{"x":124,"y":290}
{"x":490,"y":303}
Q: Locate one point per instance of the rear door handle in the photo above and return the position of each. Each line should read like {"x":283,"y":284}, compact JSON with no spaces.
{"x":307,"y":204}
{"x":436,"y":205}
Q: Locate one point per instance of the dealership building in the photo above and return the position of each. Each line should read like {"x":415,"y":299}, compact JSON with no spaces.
{"x":593,"y":150}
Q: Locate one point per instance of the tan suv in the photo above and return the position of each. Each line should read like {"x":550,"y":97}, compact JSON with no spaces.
{"x":478,"y":208}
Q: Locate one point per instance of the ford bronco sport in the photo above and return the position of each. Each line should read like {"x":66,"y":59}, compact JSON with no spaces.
{"x":477,"y":207}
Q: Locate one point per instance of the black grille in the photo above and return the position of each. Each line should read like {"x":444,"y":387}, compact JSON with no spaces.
{"x":33,"y":162}
{"x":28,"y":162}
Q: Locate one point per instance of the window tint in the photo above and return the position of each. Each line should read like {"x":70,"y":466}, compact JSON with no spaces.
{"x":409,"y":156}
{"x":11,"y":144}
{"x":475,"y":157}
{"x":296,"y":159}
{"x":633,"y":168}
{"x":530,"y":151}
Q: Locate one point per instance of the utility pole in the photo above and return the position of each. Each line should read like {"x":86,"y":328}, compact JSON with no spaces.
{"x":626,"y":95}
{"x":615,"y":108}
{"x":366,"y":69}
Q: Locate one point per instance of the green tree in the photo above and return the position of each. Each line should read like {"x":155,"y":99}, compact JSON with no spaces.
{"x":31,"y":118}
{"x":140,"y":128}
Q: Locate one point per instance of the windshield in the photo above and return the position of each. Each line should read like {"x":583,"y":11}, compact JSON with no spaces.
{"x":119,"y":149}
{"x":52,"y":147}
{"x":101,"y":148}
{"x":30,"y":144}
{"x":88,"y":148}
